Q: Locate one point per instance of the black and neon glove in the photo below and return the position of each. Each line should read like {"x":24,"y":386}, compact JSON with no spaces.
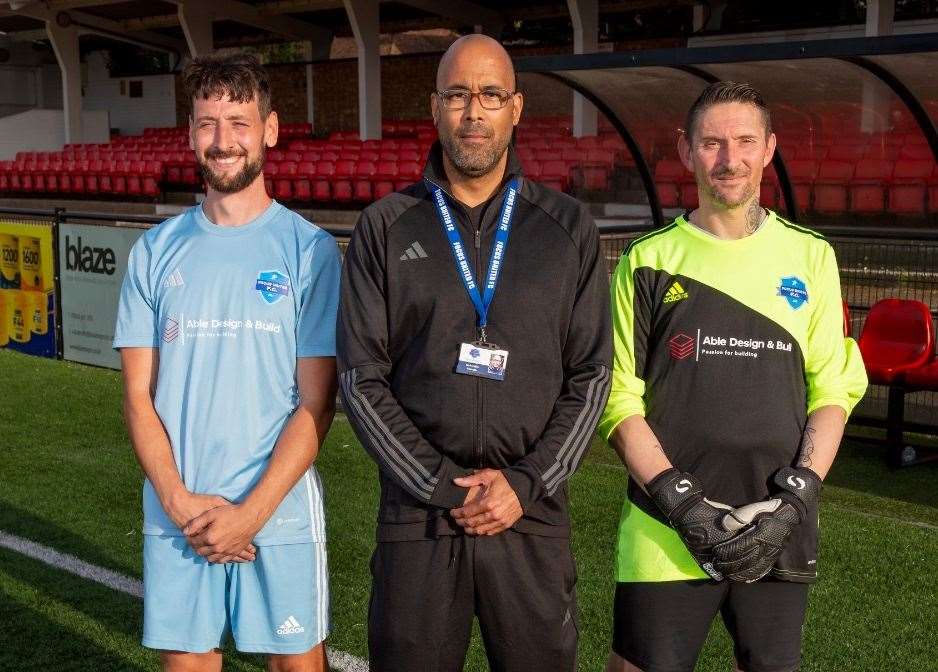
{"x":764,"y":528}
{"x":697,"y":520}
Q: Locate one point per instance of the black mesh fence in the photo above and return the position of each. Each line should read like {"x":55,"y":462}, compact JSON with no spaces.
{"x":873,"y":268}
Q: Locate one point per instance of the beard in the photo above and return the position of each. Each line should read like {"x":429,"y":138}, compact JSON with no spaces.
{"x":474,"y":160}
{"x":230,"y":184}
{"x":720,"y":198}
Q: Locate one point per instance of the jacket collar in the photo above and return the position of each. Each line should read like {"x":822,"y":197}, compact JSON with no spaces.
{"x":434,"y":171}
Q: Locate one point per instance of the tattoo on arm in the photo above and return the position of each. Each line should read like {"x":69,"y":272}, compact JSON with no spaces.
{"x":754,"y":215}
{"x":807,"y":446}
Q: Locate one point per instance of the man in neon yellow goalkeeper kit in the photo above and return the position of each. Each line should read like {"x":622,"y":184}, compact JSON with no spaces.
{"x":732,"y":382}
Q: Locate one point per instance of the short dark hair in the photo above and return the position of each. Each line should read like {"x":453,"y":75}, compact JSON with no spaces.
{"x":239,"y":76}
{"x":727,"y":92}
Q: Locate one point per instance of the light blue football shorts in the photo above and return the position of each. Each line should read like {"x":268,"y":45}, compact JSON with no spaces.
{"x":277,"y":604}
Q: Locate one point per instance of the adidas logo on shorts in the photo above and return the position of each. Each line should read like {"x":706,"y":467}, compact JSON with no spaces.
{"x":291,"y":626}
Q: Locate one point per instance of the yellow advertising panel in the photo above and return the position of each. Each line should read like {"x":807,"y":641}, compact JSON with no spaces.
{"x":27,"y":288}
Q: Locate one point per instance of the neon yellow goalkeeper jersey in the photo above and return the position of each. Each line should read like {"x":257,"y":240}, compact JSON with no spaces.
{"x":725,"y":347}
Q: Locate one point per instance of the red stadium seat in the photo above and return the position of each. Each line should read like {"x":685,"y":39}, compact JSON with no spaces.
{"x":933,"y":193}
{"x":669,"y":174}
{"x":408,"y":172}
{"x":302,"y":182}
{"x":152,"y":176}
{"x":768,"y":189}
{"x":595,"y":168}
{"x":283,"y":183}
{"x":802,"y":172}
{"x":868,"y":187}
{"x":342,"y":183}
{"x":6,"y":168}
{"x":53,"y":170}
{"x":897,"y":337}
{"x":923,"y":378}
{"x":39,"y":170}
{"x":361,"y":186}
{"x":830,"y":188}
{"x":270,"y":174}
{"x":555,"y":174}
{"x":322,"y":185}
{"x":908,"y":194}
{"x":384,"y":178}
{"x":93,"y":176}
{"x":915,"y":151}
{"x":135,"y":178}
{"x":851,"y":153}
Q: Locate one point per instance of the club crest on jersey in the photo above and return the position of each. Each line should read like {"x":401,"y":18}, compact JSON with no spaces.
{"x":272,"y":286}
{"x":794,"y":291}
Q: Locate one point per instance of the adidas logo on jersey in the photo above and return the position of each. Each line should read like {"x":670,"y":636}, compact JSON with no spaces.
{"x":291,"y":626}
{"x":174,"y":279}
{"x":415,"y":251}
{"x":675,"y":293}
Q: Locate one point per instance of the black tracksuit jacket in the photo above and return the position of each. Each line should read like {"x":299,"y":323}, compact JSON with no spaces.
{"x":402,"y":318}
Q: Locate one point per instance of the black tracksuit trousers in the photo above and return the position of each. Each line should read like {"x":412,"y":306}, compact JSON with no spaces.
{"x":425,"y":593}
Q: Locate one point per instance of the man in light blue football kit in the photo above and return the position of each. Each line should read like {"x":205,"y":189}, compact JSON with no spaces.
{"x":226,"y":328}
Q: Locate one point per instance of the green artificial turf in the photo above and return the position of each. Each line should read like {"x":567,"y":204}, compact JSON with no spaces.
{"x":68,"y":479}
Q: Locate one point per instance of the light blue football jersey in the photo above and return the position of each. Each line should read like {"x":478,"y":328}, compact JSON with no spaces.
{"x":230,"y":309}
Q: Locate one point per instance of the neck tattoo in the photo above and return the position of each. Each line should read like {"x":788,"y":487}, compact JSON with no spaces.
{"x":754,"y":216}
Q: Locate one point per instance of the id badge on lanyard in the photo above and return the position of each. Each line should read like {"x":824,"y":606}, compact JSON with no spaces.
{"x":479,"y":358}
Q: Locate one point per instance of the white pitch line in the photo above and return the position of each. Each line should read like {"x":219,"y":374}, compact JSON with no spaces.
{"x":338,"y":660}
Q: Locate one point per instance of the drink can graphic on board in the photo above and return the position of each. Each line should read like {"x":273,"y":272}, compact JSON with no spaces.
{"x":9,"y":261}
{"x":39,"y":314}
{"x":22,"y":317}
{"x":6,"y":309}
{"x":30,"y":263}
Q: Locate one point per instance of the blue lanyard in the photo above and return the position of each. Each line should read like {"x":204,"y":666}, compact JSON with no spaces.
{"x":480,"y":302}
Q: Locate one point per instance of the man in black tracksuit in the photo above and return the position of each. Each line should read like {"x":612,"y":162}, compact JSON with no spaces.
{"x":474,"y":457}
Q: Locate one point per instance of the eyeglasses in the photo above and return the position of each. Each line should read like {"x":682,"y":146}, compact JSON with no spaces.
{"x":489,"y":98}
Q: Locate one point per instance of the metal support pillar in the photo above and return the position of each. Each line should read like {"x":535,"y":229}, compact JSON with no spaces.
{"x":196,"y":21}
{"x":880,"y":20}
{"x":65,"y":44}
{"x":585,"y":17}
{"x":363,"y":15}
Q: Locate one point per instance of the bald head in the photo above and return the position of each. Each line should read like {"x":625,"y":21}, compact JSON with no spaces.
{"x":478,"y":112}
{"x":475,"y":54}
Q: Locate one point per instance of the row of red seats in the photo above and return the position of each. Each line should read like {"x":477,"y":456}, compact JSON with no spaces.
{"x":338,"y":181}
{"x":134,"y":178}
{"x":870,"y":186}
{"x":364,"y":181}
{"x":886,"y":151}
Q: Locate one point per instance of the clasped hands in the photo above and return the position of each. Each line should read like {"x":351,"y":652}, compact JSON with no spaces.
{"x":491,"y":505}
{"x":215,"y":528}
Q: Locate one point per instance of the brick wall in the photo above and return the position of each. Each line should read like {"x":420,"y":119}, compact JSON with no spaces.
{"x":287,"y":90}
{"x":406,"y":85}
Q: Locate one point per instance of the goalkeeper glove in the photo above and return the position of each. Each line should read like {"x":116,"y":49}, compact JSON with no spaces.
{"x":765,"y":527}
{"x":696,"y":519}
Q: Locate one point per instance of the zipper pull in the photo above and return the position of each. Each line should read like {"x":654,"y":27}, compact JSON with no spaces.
{"x":478,"y":238}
